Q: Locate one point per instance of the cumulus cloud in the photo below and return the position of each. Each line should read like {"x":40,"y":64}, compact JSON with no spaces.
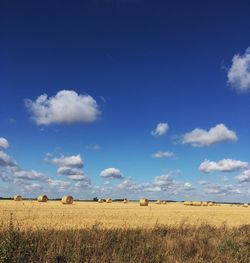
{"x":160,"y":154}
{"x":215,"y":189}
{"x":202,"y":182}
{"x":244,"y":176}
{"x":65,"y":107}
{"x":163,"y":180}
{"x":6,"y":160}
{"x":162,"y":183}
{"x":33,"y":187}
{"x":70,"y":166}
{"x":3,"y":143}
{"x":74,"y":161}
{"x":239,"y":73}
{"x":188,"y":186}
{"x":200,"y":137}
{"x":29,"y":175}
{"x":160,"y":129}
{"x":111,"y":173}
{"x":226,"y":165}
{"x":59,"y":185}
{"x":79,"y":177}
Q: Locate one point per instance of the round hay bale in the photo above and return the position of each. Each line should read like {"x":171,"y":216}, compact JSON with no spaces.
{"x":125,"y":201}
{"x":210,"y":203}
{"x":42,"y":198}
{"x":164,"y":202}
{"x":204,"y":203}
{"x":196,"y":203}
{"x":245,"y":205}
{"x":143,"y":202}
{"x":67,"y":200}
{"x":158,"y":202}
{"x":18,"y":198}
{"x":100,"y":201}
{"x":109,"y":200}
{"x":187,"y":203}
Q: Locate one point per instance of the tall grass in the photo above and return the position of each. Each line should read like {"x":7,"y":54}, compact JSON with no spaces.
{"x":185,"y":243}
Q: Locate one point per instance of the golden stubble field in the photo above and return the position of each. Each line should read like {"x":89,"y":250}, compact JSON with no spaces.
{"x":55,"y":215}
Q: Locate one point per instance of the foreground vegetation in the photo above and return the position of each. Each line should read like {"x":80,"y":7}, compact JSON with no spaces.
{"x":185,"y":243}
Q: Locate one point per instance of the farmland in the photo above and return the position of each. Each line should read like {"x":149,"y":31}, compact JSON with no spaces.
{"x":55,"y":215}
{"x":32,"y":231}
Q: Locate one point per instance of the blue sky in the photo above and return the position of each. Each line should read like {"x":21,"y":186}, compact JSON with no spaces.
{"x":125,"y":98}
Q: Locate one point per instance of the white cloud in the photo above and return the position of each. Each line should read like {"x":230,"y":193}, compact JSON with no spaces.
{"x":202,"y":182}
{"x":94,"y":147}
{"x":160,"y":129}
{"x":244,"y":176}
{"x":79,"y":177}
{"x":239,"y":73}
{"x":59,"y":185}
{"x":111,"y":173}
{"x":69,"y":171}
{"x":29,"y":175}
{"x":6,"y":160}
{"x":70,"y":166}
{"x":67,"y":161}
{"x":65,"y":107}
{"x":160,"y":154}
{"x":33,"y":187}
{"x":163,"y":180}
{"x":226,"y":165}
{"x":188,"y":186}
{"x":222,"y":190}
{"x":3,"y":143}
{"x":200,"y":137}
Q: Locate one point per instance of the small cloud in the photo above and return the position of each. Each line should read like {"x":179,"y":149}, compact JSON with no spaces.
{"x":4,"y":143}
{"x":244,"y":176}
{"x":226,"y":165}
{"x":161,"y":129}
{"x":202,"y":182}
{"x":239,"y":73}
{"x":111,"y":173}
{"x":6,"y":160}
{"x":74,"y":161}
{"x":200,"y":138}
{"x":65,"y":107}
{"x":160,"y":155}
{"x":94,"y":147}
{"x":188,"y":186}
{"x":222,"y":190}
{"x":33,"y":187}
{"x":29,"y":175}
{"x":70,"y":166}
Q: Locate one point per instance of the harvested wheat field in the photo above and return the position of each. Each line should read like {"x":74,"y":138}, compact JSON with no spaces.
{"x":54,"y":215}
